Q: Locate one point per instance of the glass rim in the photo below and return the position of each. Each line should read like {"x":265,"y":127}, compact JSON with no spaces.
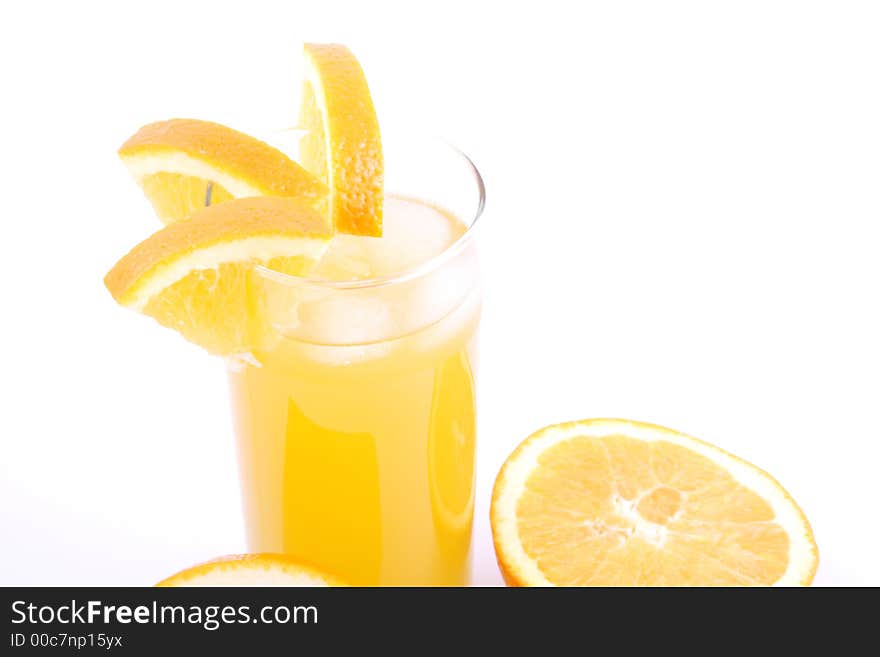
{"x":417,"y":271}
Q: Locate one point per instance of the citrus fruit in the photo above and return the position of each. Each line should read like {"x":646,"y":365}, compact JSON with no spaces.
{"x":195,"y":276}
{"x":250,"y":570}
{"x":341,"y":145}
{"x":612,"y":502}
{"x":183,"y":165}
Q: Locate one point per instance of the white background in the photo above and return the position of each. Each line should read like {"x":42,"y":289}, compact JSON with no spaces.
{"x":681,"y":228}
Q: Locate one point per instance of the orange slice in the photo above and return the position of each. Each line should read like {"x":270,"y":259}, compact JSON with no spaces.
{"x":250,"y":570}
{"x":612,"y":502}
{"x":182,"y":165}
{"x":195,"y":276}
{"x":342,"y":146}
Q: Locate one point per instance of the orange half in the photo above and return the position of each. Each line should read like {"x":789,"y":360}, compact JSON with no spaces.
{"x":618,"y":503}
{"x":251,"y":570}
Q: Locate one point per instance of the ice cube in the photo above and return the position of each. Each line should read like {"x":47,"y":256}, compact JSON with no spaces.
{"x":344,"y":260}
{"x":412,"y":234}
{"x":346,"y":318}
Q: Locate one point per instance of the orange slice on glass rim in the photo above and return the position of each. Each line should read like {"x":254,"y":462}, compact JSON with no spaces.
{"x":342,"y":146}
{"x":195,"y":276}
{"x":183,"y":165}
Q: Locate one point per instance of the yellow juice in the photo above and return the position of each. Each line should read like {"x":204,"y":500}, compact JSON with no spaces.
{"x":356,"y":424}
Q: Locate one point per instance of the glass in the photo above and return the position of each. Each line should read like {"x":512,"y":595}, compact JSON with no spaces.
{"x":356,"y":424}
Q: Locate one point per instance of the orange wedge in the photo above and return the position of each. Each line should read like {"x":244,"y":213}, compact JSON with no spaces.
{"x":183,"y":165}
{"x":195,"y":276}
{"x":250,"y":570}
{"x":342,"y":146}
{"x":612,"y":502}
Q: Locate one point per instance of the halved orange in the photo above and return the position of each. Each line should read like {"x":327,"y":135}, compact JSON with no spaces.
{"x":251,"y":570}
{"x":613,"y":502}
{"x":183,"y":165}
{"x":342,"y":146}
{"x":195,"y":276}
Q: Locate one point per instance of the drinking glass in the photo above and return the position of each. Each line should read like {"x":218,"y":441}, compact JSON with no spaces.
{"x":356,"y":421}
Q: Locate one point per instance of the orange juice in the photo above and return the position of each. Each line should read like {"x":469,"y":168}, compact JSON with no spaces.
{"x":356,"y":423}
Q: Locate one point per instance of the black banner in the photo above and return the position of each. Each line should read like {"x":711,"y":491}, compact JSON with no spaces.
{"x":152,"y":621}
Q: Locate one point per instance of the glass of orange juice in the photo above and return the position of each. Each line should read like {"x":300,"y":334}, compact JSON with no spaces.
{"x":356,"y":421}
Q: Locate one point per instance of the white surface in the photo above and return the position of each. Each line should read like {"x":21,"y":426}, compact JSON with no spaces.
{"x":681,"y":228}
